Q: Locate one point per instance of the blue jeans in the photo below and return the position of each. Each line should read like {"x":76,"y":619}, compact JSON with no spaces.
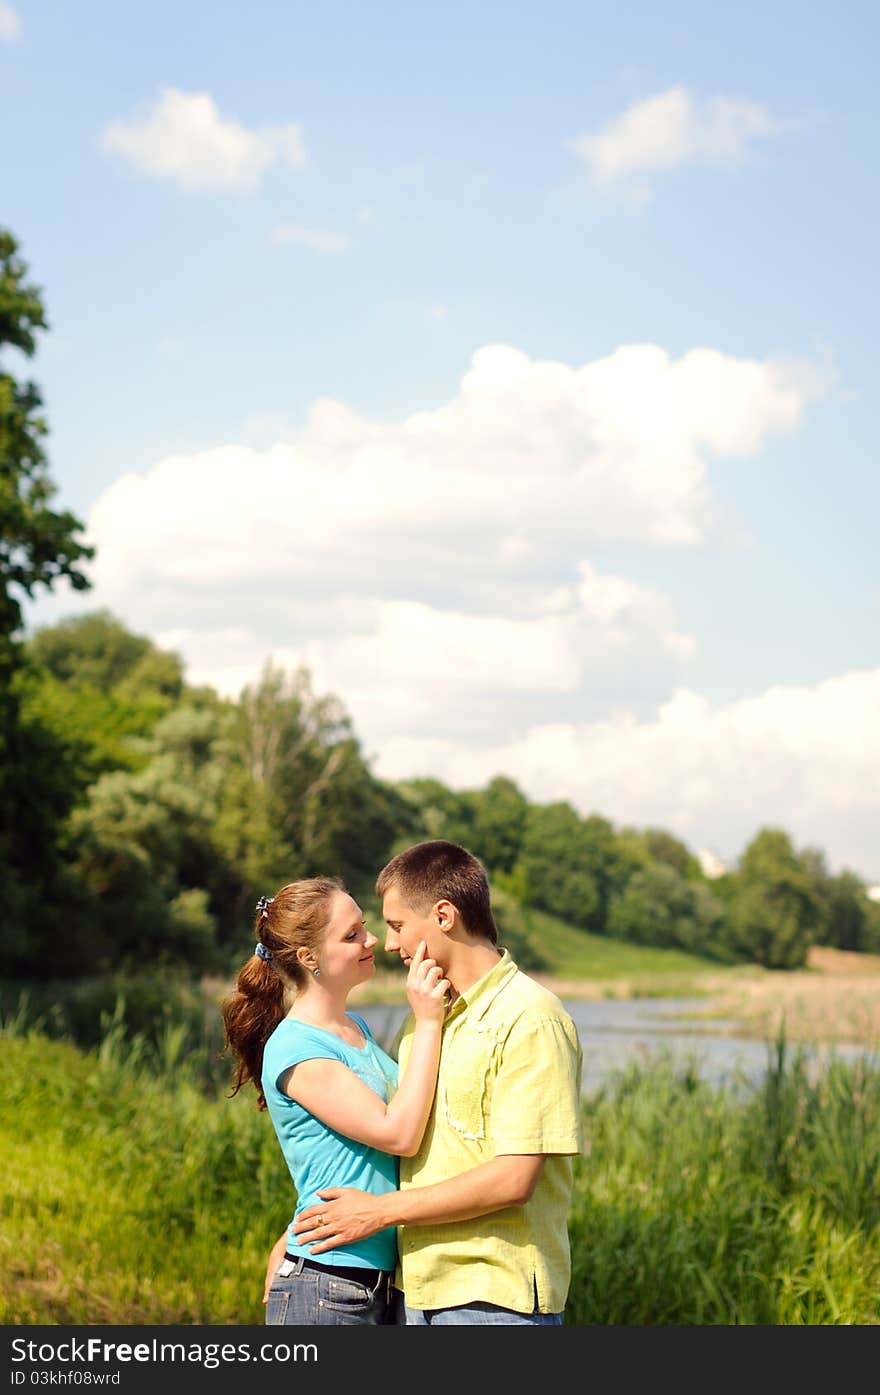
{"x":479,"y":1315}
{"x":302,"y":1297}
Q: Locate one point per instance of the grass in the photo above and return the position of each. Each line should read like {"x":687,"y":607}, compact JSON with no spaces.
{"x":129,"y":1195}
{"x":586,"y":965}
{"x":577,"y":955}
{"x":836,"y":998}
{"x":133,"y":1193}
{"x":702,"y":1206}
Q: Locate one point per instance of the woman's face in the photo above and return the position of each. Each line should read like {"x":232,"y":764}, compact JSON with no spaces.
{"x":346,"y":956}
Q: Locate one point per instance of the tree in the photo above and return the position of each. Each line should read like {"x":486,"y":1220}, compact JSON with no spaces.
{"x":38,"y":547}
{"x":775,"y":907}
{"x":315,"y":801}
{"x":515,"y":933}
{"x":437,"y":812}
{"x":557,"y":864}
{"x":846,"y":913}
{"x":94,"y":649}
{"x":663,"y":846}
{"x":102,"y":690}
{"x":499,"y":823}
{"x":661,"y":907}
{"x":146,"y":852}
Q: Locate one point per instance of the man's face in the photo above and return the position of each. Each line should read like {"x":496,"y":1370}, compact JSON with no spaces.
{"x":407,"y":926}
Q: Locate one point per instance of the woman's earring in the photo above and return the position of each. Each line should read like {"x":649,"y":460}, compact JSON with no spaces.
{"x":316,"y":972}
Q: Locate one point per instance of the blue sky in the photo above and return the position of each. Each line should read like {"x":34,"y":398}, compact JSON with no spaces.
{"x":642,"y":580}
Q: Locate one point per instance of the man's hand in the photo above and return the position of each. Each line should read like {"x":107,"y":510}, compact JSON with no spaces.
{"x":343,"y":1216}
{"x":275,"y":1257}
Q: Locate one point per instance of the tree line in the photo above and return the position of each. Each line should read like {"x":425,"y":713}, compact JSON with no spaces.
{"x":142,"y":816}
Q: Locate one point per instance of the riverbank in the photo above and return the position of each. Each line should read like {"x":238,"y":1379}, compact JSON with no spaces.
{"x":755,"y":1208}
{"x":835,"y":998}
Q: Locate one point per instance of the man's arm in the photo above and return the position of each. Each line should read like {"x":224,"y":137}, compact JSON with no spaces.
{"x":346,"y":1214}
{"x":541,"y":1064}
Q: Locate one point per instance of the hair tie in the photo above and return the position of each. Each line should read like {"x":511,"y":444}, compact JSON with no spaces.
{"x":262,"y":952}
{"x":264,"y":903}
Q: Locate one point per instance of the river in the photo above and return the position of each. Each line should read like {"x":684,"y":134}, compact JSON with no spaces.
{"x":615,"y":1033}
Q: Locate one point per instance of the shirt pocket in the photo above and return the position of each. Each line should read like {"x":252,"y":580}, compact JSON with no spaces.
{"x":465,"y":1085}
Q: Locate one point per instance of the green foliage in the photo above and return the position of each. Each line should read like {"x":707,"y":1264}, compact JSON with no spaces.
{"x":515,"y":933}
{"x":121,"y":1195}
{"x":692,"y":1205}
{"x":644,"y":969}
{"x":660,"y":907}
{"x":102,"y":690}
{"x":38,"y":547}
{"x":559,"y":862}
{"x":437,"y":812}
{"x":871,"y":929}
{"x":310,"y":788}
{"x":499,"y":822}
{"x":96,"y":650}
{"x":140,"y":1010}
{"x":144,"y":844}
{"x":844,"y":909}
{"x":700,"y":1206}
{"x":662,"y":846}
{"x":776,"y":907}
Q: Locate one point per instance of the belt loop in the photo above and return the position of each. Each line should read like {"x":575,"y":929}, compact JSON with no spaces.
{"x":290,"y":1265}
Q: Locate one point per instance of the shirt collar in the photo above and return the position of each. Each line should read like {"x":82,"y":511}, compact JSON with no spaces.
{"x":480,"y":996}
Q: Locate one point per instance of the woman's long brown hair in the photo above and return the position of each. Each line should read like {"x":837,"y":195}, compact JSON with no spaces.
{"x":295,"y":918}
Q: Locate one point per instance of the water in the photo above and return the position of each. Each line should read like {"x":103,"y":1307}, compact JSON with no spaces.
{"x":615,"y":1034}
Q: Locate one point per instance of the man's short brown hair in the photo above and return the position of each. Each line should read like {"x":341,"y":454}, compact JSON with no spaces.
{"x":440,"y":871}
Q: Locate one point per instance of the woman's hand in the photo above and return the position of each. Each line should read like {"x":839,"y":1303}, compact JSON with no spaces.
{"x":426,"y":988}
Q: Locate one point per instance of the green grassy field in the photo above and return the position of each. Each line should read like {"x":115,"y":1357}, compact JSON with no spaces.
{"x":611,"y":967}
{"x":574,"y":953}
{"x":129,"y":1195}
{"x":133,"y":1194}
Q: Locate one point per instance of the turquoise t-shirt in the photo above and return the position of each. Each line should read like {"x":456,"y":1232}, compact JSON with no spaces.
{"x":316,"y":1155}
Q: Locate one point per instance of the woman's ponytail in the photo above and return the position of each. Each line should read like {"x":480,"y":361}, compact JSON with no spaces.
{"x":250,"y":1015}
{"x":295,"y":917}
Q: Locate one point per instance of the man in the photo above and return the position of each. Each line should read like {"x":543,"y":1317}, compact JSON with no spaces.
{"x":482,"y":1207}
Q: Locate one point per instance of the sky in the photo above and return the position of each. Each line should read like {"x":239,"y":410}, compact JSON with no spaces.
{"x":511,"y":367}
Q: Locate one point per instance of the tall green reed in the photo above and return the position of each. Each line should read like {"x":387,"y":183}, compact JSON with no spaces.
{"x":730,"y":1205}
{"x":138,"y":1191}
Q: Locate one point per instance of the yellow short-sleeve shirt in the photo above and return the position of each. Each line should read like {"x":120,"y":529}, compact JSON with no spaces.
{"x":509,"y":1082}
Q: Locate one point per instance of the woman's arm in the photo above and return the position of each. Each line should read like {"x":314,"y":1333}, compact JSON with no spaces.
{"x":276,"y":1254}
{"x":340,"y":1099}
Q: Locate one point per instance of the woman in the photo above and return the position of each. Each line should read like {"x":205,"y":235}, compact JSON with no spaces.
{"x":340,"y":1114}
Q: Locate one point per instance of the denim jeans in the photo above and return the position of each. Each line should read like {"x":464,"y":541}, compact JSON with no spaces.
{"x":479,"y":1315}
{"x":307,"y":1298}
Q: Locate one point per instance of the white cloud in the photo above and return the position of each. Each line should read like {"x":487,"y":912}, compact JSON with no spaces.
{"x":326,"y":244}
{"x":443,"y":575}
{"x":182,"y":136}
{"x":469,"y":530}
{"x":669,"y":129}
{"x":10,"y":24}
{"x":403,"y":665}
{"x":501,"y":491}
{"x":803,"y":758}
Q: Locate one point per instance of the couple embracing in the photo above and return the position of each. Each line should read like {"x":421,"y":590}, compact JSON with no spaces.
{"x":433,"y":1190}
